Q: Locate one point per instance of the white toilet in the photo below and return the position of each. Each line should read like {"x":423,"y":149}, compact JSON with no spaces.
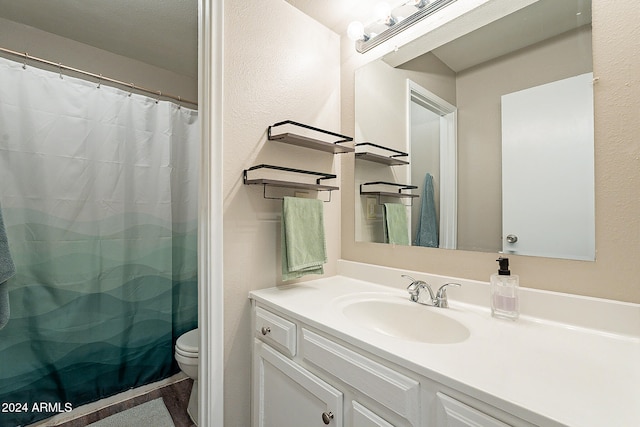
{"x":186,"y":354}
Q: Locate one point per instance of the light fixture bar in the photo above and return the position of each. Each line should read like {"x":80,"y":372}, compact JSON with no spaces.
{"x":363,"y":46}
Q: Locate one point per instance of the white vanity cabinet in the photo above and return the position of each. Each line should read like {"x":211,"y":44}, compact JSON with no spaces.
{"x":284,"y":393}
{"x":384,"y":369}
{"x":303,"y":377}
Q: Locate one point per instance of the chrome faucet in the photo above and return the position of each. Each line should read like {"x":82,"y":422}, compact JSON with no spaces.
{"x":416,"y":286}
{"x":437,"y":300}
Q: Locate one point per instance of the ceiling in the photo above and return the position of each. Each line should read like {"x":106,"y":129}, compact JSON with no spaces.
{"x":337,"y":14}
{"x":532,"y":24}
{"x":163,"y":33}
{"x":159,"y":32}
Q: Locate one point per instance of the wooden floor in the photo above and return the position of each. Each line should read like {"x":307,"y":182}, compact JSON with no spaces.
{"x":175,"y":397}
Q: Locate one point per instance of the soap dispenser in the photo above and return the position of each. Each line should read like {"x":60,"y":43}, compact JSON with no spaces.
{"x":504,"y":292}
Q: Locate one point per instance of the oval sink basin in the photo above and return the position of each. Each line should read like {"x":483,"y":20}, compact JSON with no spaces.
{"x":408,"y":321}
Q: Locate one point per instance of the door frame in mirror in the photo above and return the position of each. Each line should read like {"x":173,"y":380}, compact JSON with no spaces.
{"x":448,"y":158}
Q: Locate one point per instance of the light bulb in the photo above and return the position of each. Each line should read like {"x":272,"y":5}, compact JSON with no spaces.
{"x":382,"y":11}
{"x":355,"y":31}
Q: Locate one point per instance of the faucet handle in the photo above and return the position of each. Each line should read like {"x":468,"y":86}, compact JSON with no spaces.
{"x":416,"y":286}
{"x":413,"y":288}
{"x":406,"y":276}
{"x":441,"y":296}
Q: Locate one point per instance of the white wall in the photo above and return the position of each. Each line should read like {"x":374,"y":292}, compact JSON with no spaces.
{"x":22,"y":38}
{"x":279,"y":64}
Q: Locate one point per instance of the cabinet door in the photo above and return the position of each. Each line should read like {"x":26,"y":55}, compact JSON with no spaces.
{"x":387,"y":387}
{"x":458,"y":414}
{"x":286,"y":395}
{"x":363,"y":417}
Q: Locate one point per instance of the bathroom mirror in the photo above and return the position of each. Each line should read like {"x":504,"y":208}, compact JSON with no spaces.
{"x":495,"y":129}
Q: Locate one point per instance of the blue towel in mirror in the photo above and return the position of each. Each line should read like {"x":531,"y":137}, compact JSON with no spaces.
{"x":427,"y":230}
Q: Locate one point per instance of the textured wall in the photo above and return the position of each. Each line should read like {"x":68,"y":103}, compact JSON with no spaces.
{"x":279,"y":64}
{"x":615,"y":274}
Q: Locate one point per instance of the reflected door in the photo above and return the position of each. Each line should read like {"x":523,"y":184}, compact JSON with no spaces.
{"x":548,"y":170}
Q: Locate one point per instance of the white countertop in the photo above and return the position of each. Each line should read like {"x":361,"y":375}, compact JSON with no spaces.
{"x":547,"y":373}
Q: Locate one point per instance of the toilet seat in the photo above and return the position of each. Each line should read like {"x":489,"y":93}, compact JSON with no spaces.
{"x":188,"y":344}
{"x":186,"y":354}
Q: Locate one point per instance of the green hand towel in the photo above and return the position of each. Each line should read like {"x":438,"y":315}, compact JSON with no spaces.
{"x":396,"y":228}
{"x":304,"y":248}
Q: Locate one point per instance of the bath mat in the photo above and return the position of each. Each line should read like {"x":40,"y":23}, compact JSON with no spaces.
{"x":149,"y":414}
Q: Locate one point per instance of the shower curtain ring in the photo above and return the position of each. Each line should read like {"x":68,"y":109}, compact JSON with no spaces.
{"x":24,"y":64}
{"x":158,"y":98}
{"x":99,"y":81}
{"x":132,"y":86}
{"x":60,"y":69}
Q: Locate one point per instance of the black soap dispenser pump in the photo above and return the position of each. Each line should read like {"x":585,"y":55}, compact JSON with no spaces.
{"x":504,"y":292}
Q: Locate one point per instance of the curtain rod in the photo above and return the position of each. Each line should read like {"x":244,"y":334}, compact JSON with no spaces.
{"x":100,"y":77}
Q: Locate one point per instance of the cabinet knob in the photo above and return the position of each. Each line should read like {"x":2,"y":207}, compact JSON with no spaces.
{"x":265,"y":330}
{"x":327,"y":417}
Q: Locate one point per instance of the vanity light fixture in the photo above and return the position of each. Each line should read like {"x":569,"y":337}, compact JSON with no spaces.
{"x":391,"y":21}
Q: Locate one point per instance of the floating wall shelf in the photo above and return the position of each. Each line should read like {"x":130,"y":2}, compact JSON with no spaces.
{"x":397,"y":194}
{"x":391,"y":160}
{"x":268,"y":182}
{"x":312,"y":143}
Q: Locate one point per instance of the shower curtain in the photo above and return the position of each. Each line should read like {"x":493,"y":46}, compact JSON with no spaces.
{"x":98,"y":189}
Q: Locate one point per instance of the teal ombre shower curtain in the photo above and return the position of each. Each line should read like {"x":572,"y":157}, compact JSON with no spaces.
{"x":98,"y":190}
